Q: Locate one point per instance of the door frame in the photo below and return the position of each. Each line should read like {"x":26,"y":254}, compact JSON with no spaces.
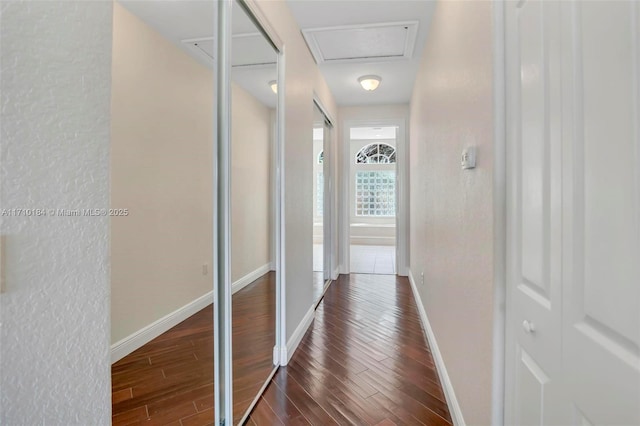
{"x":222,"y":292}
{"x":402,"y":193}
{"x":253,"y":9}
{"x":223,"y":356}
{"x":328,"y":216}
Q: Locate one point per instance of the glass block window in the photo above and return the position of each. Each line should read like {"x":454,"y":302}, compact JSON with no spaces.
{"x":376,"y":153}
{"x":376,"y":193}
{"x":319,"y":194}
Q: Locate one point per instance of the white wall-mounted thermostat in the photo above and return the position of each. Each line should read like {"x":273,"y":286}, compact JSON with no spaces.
{"x":468,"y":160}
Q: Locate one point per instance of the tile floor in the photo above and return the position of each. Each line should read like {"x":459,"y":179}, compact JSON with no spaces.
{"x":373,"y":259}
{"x":365,"y":259}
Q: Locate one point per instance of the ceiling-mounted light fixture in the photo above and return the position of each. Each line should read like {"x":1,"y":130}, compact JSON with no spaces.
{"x":274,"y":86}
{"x":369,"y":82}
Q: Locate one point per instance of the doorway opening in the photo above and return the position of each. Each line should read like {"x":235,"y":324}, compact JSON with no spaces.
{"x":373,"y":199}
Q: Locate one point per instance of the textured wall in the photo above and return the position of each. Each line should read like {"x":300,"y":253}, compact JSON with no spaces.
{"x":161,"y":170}
{"x":54,"y":337}
{"x":451,"y":209}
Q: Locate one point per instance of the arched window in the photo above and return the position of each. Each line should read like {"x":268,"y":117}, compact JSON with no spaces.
{"x":376,"y":153}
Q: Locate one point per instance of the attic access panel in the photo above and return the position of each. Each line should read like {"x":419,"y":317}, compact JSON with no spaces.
{"x":362,"y":43}
{"x":248,"y":50}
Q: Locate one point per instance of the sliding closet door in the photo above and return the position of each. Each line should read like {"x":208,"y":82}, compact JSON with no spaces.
{"x":248,"y":196}
{"x":222,"y":220}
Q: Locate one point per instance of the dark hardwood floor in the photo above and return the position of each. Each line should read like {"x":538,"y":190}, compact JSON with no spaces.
{"x":363,"y":361}
{"x":169,"y":381}
{"x":254,"y":336}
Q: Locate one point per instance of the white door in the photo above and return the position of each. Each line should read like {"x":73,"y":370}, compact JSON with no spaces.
{"x":534,"y":229}
{"x":573,"y":135}
{"x":601,"y":251}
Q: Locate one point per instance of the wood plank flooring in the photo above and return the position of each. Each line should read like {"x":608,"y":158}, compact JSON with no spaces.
{"x":169,"y":381}
{"x":254,"y":336}
{"x":363,"y":361}
{"x":318,"y":285}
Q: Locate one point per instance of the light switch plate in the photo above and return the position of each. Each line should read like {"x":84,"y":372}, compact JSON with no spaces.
{"x":468,"y":160}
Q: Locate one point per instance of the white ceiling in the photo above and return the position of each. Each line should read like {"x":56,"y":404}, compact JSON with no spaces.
{"x":362,"y":42}
{"x":367,"y":133}
{"x":362,"y":133}
{"x":398,"y":75}
{"x":179,"y":20}
{"x":189,"y":22}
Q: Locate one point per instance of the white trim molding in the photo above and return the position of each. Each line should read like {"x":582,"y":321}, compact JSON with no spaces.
{"x":296,"y":337}
{"x":450,"y":395}
{"x":143,"y":336}
{"x":276,"y":355}
{"x":499,"y":213}
{"x":250,"y":277}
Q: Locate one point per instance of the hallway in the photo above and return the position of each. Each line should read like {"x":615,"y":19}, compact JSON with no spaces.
{"x":364,"y":360}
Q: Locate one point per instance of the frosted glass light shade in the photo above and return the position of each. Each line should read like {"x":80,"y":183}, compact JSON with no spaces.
{"x":369,"y":82}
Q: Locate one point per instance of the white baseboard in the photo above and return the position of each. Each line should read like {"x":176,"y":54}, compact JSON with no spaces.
{"x":296,"y":337}
{"x":143,"y":336}
{"x":342,"y":269}
{"x":450,"y":395}
{"x":250,"y":277}
{"x":373,"y":241}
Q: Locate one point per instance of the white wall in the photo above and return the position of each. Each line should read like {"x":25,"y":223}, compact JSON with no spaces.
{"x":452,"y":210}
{"x":161,"y":162}
{"x":372,"y":113}
{"x":302,"y":79}
{"x":250,"y":184}
{"x":54,"y":310}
